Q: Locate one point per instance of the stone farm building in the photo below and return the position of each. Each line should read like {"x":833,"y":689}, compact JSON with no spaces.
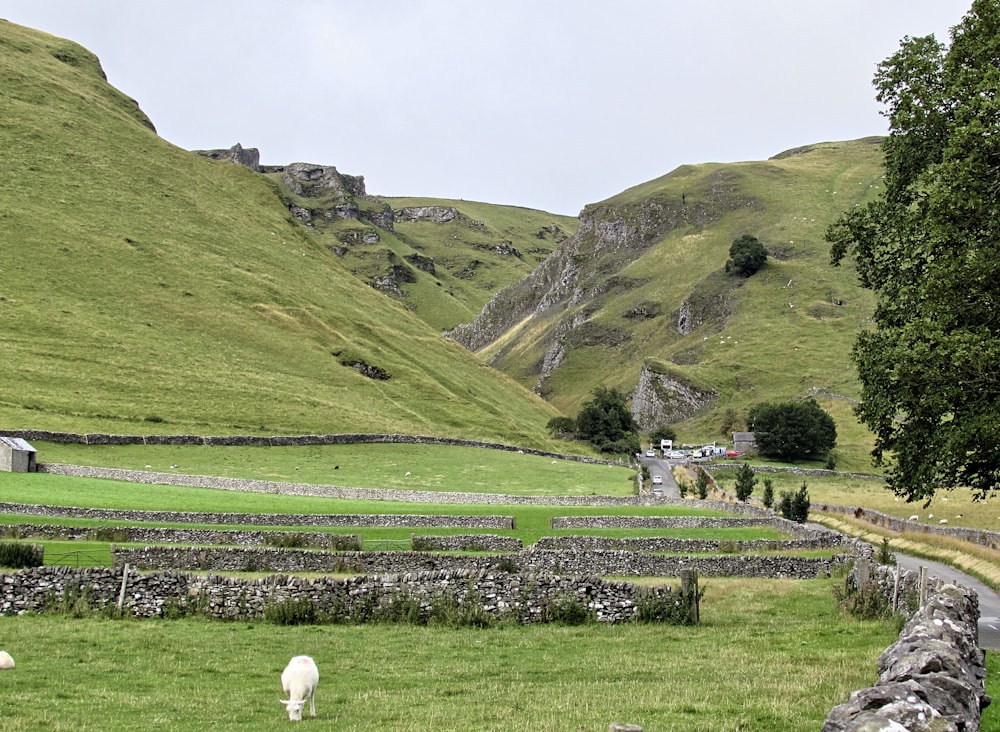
{"x":16,"y":455}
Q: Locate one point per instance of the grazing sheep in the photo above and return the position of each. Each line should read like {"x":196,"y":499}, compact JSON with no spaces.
{"x":5,"y":660}
{"x":943,"y":521}
{"x":299,"y":680}
{"x":914,"y":517}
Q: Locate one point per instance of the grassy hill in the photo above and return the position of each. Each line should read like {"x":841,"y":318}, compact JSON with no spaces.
{"x":642,"y":286}
{"x":148,"y":289}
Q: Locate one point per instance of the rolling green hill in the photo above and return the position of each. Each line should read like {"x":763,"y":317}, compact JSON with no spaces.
{"x":639,"y":298}
{"x":147,"y":289}
{"x":156,"y":290}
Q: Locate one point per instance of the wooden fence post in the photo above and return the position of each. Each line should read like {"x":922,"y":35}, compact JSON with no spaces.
{"x":689,"y":586}
{"x":121,"y":593}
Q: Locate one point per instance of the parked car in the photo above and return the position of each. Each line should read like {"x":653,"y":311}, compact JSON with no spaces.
{"x":733,"y":453}
{"x":651,"y":453}
{"x":657,"y":480}
{"x":677,"y":455}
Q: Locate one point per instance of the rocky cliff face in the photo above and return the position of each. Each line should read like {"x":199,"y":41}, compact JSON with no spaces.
{"x":664,"y":399}
{"x":587,"y":265}
{"x":248,"y":157}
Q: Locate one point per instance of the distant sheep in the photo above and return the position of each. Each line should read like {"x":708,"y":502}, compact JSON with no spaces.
{"x":299,"y":681}
{"x":6,"y":661}
{"x":914,"y":517}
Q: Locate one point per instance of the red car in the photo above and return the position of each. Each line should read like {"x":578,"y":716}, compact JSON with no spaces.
{"x":733,"y":453}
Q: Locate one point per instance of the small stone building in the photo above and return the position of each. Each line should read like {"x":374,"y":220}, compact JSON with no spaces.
{"x":745,"y":442}
{"x":17,"y":456}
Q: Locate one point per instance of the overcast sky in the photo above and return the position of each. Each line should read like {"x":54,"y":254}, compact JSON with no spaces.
{"x":549,"y":104}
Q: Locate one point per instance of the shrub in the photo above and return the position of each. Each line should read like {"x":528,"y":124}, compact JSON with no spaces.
{"x":567,"y":610}
{"x":286,"y":539}
{"x":17,"y":555}
{"x":561,"y":426}
{"x":672,"y":607}
{"x":885,"y":554}
{"x":745,"y":482}
{"x":746,"y":255}
{"x":795,"y":506}
{"x":113,"y":534}
{"x":701,"y":484}
{"x":292,"y":611}
{"x":768,"y":498}
{"x":866,"y":600}
{"x":507,"y":564}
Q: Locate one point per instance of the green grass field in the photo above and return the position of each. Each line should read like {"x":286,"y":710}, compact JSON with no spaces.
{"x":769,"y":655}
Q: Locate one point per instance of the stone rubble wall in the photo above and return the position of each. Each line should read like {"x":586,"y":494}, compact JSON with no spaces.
{"x":348,"y":520}
{"x":528,"y":598}
{"x":273,"y":559}
{"x":672,"y":545}
{"x":931,"y":678}
{"x":531,"y":560}
{"x":802,"y":531}
{"x":278,"y":441}
{"x":612,"y":563}
{"x":154,"y":534}
{"x":466,"y":543}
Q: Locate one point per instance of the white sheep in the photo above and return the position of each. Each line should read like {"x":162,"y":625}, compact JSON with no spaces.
{"x":299,"y":681}
{"x":6,"y":661}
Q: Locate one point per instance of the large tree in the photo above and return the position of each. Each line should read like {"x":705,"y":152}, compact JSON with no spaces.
{"x":792,"y":430}
{"x":929,"y":248}
{"x":606,"y":422}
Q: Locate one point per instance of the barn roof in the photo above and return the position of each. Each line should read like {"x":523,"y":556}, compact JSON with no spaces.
{"x":16,"y":443}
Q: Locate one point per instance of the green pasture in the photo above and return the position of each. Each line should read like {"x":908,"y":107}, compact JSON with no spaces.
{"x":531,"y":521}
{"x":955,"y":507}
{"x":769,"y":655}
{"x":443,"y":468}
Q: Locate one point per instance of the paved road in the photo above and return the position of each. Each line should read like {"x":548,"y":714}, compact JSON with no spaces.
{"x":989,"y":601}
{"x":662,"y":467}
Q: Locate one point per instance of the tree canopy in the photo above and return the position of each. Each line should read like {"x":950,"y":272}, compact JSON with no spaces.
{"x":792,"y":430}
{"x":929,"y":248}
{"x":606,"y":422}
{"x":746,"y":255}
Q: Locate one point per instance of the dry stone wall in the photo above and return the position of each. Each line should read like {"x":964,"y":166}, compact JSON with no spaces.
{"x":610,"y":563}
{"x":527,"y":599}
{"x":328,"y":520}
{"x":599,"y":562}
{"x":273,"y":559}
{"x":155,"y":534}
{"x":673,"y":545}
{"x":276,"y":441}
{"x":932,"y":678}
{"x":802,"y":531}
{"x":466,"y":543}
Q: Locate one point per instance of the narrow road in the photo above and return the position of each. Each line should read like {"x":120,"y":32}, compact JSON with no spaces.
{"x":989,"y":601}
{"x":662,"y":468}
